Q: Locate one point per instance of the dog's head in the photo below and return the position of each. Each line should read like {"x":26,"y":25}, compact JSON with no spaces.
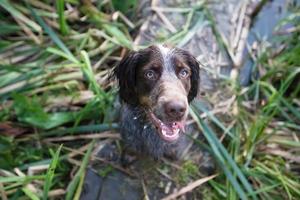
{"x":161,"y":80}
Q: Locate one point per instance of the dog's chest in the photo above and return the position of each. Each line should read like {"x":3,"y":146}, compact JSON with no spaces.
{"x":140,"y":135}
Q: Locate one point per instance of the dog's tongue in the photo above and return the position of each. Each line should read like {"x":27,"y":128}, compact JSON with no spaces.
{"x":177,"y":125}
{"x":169,"y":131}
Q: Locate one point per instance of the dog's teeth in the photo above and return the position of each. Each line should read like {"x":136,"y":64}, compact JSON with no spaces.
{"x":135,"y":118}
{"x":164,"y":132}
{"x":145,"y":127}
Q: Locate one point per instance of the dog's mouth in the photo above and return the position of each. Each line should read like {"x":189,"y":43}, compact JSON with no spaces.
{"x":169,"y":131}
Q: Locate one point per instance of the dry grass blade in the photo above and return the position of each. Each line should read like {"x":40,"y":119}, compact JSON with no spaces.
{"x":284,"y":154}
{"x":146,"y":197}
{"x":2,"y":191}
{"x":189,"y":187}
{"x":75,"y":152}
{"x":85,"y":137}
{"x":56,"y":192}
{"x":166,"y":21}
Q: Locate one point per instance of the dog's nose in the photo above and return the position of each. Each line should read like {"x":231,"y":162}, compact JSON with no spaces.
{"x":175,"y":109}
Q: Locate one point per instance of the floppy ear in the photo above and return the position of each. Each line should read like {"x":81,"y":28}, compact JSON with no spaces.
{"x":126,"y":75}
{"x":195,"y":77}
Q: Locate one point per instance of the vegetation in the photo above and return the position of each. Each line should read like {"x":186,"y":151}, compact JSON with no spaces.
{"x":56,"y":99}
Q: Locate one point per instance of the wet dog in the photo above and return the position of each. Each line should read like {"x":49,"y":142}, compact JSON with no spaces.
{"x":156,"y":85}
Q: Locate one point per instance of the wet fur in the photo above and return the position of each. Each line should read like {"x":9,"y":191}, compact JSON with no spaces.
{"x":136,"y":129}
{"x":140,"y":136}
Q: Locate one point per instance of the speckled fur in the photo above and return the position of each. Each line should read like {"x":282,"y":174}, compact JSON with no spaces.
{"x":140,"y":135}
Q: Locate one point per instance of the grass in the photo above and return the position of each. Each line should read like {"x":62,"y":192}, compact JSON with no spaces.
{"x":55,"y":61}
{"x":50,"y":173}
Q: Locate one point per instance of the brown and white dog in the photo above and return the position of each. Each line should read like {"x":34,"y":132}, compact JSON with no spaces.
{"x":156,"y":85}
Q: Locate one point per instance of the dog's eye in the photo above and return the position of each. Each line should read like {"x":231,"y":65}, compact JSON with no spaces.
{"x":150,"y":74}
{"x":183,"y":73}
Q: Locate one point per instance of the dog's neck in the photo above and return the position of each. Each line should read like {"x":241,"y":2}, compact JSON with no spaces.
{"x":140,"y":135}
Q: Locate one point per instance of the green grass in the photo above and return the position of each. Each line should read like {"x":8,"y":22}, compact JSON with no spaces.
{"x":75,"y":186}
{"x":50,"y":173}
{"x":54,"y":67}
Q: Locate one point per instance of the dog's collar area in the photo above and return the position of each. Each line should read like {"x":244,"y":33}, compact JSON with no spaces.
{"x":168,"y":131}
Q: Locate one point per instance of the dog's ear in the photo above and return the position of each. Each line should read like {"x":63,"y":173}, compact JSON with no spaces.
{"x":126,"y":75}
{"x":195,"y":77}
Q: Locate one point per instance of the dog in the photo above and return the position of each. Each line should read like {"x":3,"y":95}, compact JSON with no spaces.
{"x":156,"y":85}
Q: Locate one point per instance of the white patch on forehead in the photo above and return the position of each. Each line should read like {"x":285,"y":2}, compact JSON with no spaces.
{"x":165,"y":51}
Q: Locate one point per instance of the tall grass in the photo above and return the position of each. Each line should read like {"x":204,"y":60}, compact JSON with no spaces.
{"x":263,"y":134}
{"x":52,"y":84}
